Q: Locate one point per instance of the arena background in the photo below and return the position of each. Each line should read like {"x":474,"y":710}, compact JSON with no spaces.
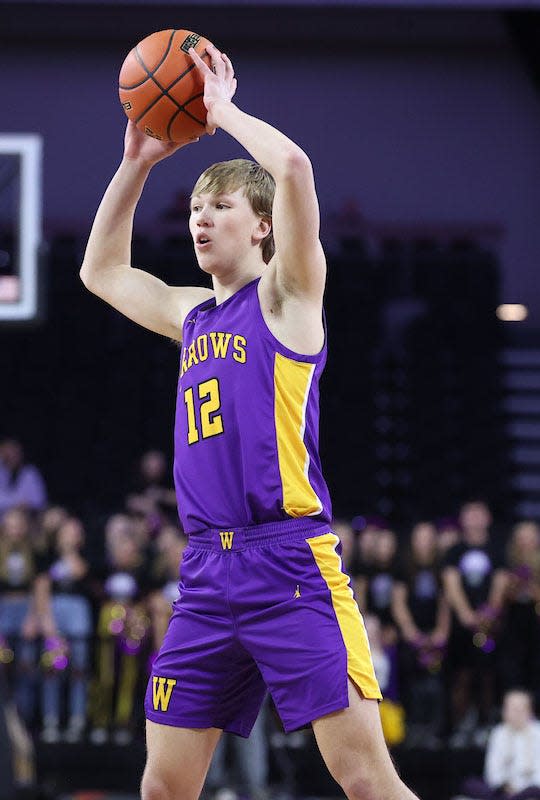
{"x":422,"y":121}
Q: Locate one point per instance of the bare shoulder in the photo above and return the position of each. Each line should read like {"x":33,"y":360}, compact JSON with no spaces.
{"x":145,"y":298}
{"x":188,"y":297}
{"x":294,"y":319}
{"x":184,"y":299}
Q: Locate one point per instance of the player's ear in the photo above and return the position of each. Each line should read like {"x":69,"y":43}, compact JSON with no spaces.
{"x":263,"y":228}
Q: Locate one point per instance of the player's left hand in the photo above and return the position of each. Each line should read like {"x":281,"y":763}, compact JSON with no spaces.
{"x":219,"y":81}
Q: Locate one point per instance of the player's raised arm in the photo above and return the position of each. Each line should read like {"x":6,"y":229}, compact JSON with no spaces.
{"x":299,"y":259}
{"x":106,"y":270}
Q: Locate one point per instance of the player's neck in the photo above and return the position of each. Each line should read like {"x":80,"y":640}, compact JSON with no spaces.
{"x":227,"y":285}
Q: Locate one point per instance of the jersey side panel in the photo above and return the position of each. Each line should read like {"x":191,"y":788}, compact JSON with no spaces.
{"x":292,"y":386}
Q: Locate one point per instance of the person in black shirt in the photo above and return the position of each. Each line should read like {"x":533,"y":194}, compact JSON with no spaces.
{"x":423,"y":617}
{"x":376,"y":581}
{"x":448,"y":534}
{"x":520,"y":645}
{"x":474,"y":583}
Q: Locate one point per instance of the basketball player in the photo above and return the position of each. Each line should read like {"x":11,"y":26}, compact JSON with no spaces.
{"x":264,"y":602}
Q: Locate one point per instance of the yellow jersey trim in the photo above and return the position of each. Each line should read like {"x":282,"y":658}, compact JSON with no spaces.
{"x":292,"y":384}
{"x":359,"y":663}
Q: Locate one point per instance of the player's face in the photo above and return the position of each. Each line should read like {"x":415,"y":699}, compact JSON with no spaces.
{"x":225,"y":230}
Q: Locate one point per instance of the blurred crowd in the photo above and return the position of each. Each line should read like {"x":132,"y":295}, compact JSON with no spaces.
{"x":452,"y":610}
{"x":453,"y":615}
{"x":79,"y":621}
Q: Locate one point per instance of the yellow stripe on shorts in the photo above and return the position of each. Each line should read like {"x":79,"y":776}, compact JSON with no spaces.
{"x":292,"y":383}
{"x":359,"y":663}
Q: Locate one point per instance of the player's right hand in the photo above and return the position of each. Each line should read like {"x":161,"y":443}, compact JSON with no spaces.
{"x":144,"y":149}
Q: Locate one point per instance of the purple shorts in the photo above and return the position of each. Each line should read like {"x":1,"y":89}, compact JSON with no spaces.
{"x":267,"y":607}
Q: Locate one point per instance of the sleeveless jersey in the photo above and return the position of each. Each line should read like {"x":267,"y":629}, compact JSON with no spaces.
{"x":247,"y":421}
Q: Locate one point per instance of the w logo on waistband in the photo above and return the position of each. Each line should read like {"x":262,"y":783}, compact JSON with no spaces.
{"x":161,"y":692}
{"x":226,"y":539}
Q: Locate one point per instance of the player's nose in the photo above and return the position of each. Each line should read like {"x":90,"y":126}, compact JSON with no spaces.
{"x":203,"y":218}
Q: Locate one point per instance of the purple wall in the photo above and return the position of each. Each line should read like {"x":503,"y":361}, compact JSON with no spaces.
{"x":416,"y":134}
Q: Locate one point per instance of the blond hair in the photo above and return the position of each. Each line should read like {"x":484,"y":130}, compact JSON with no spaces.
{"x":514,"y":553}
{"x":258,"y":185}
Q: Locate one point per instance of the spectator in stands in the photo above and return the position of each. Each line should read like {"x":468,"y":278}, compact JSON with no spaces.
{"x":366,"y":530}
{"x":381,"y":661}
{"x":118,"y":527}
{"x":449,"y":534}
{"x":18,"y":618}
{"x":122,"y":634}
{"x":392,"y":712}
{"x":45,"y":532}
{"x":512,"y":765}
{"x":423,"y":618}
{"x":154,"y":498}
{"x":66,"y":624}
{"x":375,"y":583}
{"x":164,"y":580}
{"x":21,"y":484}
{"x":346,"y":535}
{"x":474,"y":583}
{"x":520,"y":644}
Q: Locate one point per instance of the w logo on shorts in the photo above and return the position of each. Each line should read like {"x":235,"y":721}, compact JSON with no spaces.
{"x":161,"y":692}
{"x":226,"y":539}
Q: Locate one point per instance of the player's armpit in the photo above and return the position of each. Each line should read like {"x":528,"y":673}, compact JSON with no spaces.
{"x":145,"y":299}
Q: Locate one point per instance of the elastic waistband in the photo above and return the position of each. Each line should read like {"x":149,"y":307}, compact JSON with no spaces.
{"x":257,"y":535}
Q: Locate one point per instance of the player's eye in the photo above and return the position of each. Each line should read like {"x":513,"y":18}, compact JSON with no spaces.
{"x":195,"y":208}
{"x":221,"y":205}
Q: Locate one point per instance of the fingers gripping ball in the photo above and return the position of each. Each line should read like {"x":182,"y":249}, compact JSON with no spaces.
{"x":160,"y":88}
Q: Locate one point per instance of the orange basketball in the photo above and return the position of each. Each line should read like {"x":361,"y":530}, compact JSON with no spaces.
{"x":160,"y":88}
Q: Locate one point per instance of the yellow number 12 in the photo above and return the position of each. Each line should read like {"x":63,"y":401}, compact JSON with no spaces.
{"x":208,"y":391}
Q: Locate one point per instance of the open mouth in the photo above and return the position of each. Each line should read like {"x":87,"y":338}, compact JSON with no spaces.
{"x":202,"y":240}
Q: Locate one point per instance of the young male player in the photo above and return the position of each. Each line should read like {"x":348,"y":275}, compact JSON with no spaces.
{"x":264,"y":602}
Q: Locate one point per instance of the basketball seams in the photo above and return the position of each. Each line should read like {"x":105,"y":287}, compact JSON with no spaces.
{"x":137,"y":57}
{"x":165,"y":92}
{"x":191,"y":99}
{"x":188,"y":113}
{"x":184,"y":73}
{"x":149,"y":74}
{"x":134,"y":86}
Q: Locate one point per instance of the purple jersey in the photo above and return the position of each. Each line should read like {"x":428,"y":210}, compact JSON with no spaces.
{"x":247,"y":421}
